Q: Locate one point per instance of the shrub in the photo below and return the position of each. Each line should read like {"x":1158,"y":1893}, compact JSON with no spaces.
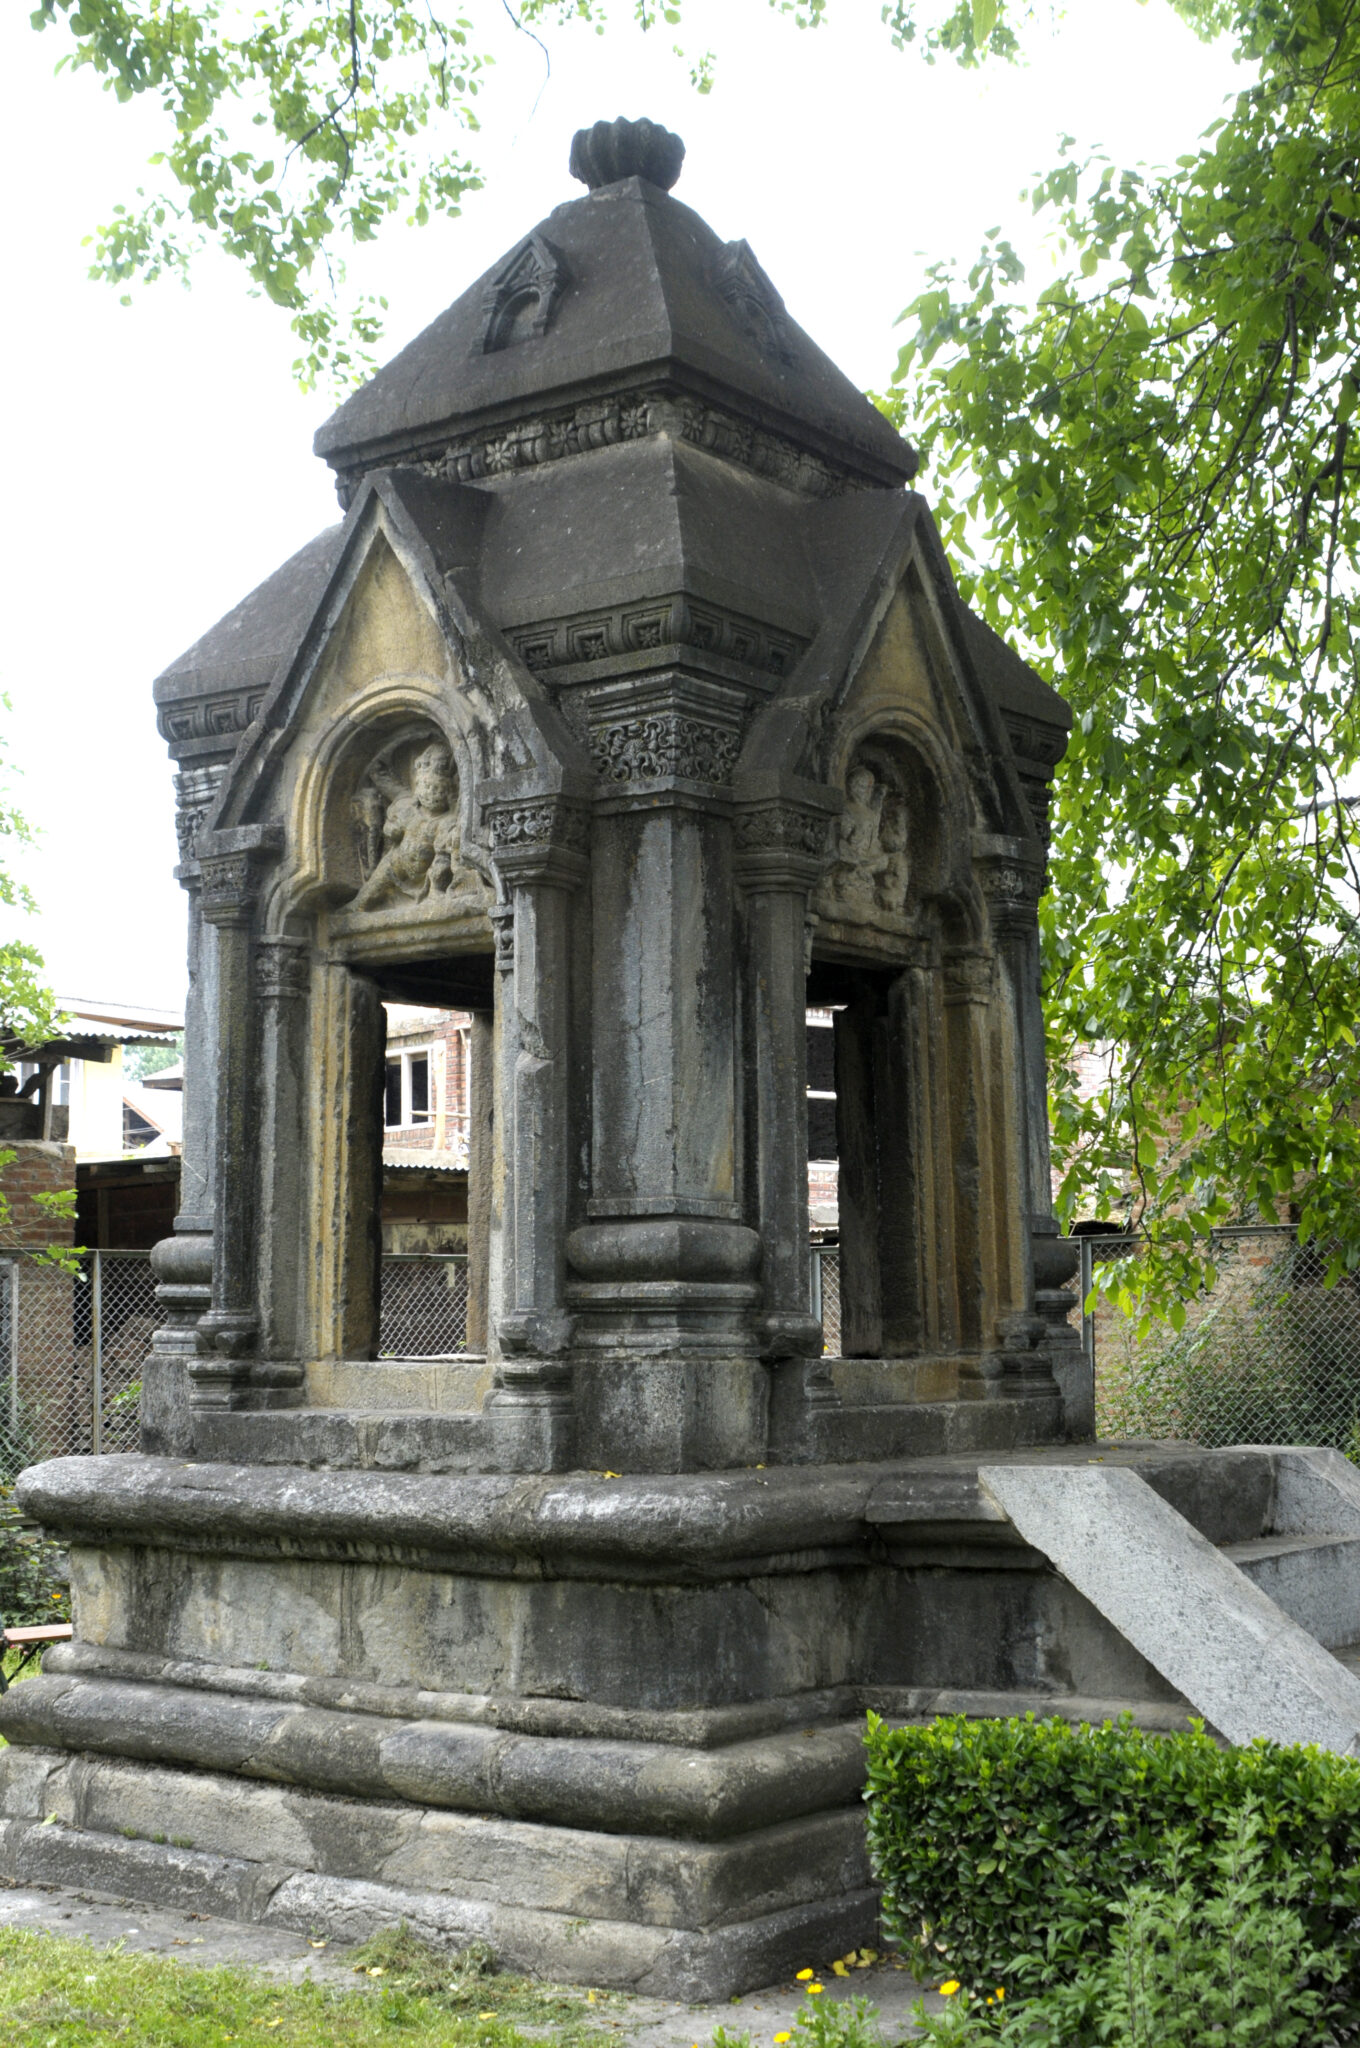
{"x":32,"y":1573}
{"x":1006,"y":1849}
{"x":1185,"y":1968}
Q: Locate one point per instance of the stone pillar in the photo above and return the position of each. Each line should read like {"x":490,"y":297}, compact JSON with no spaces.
{"x":857,"y":1181}
{"x":481,"y":1138}
{"x":668,"y":1377}
{"x":781,"y":853}
{"x":282,"y":981}
{"x":182,"y":1263}
{"x":538,"y":849}
{"x":967,"y":999}
{"x":1011,"y":885}
{"x":347,"y":1041}
{"x":231,"y":1327}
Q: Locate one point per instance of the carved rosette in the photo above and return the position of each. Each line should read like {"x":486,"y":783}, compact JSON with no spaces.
{"x":782,"y":845}
{"x":539,"y":839}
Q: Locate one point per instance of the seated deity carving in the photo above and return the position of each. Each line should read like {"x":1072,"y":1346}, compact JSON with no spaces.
{"x":870,"y":873}
{"x":409,"y":846}
{"x":890,"y":889}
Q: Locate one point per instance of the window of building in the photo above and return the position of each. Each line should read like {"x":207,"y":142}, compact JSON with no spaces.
{"x":821,"y":1071}
{"x":61,"y":1081}
{"x":406,"y":1094}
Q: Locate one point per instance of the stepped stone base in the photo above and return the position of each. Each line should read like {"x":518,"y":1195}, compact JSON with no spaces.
{"x":614,"y":1726}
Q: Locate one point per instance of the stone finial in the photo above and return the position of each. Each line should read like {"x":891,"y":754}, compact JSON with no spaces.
{"x":626,"y":149}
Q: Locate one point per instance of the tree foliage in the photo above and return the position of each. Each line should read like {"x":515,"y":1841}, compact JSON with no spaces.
{"x":297,"y":128}
{"x":1150,"y":477}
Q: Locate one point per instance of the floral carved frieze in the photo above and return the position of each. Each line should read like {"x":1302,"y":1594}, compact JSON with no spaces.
{"x":666,"y":745}
{"x":630,"y":416}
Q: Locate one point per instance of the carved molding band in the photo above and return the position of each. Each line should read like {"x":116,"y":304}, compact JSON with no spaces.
{"x":666,"y":745}
{"x":663,"y":625}
{"x":628,"y":416}
{"x":224,"y":716}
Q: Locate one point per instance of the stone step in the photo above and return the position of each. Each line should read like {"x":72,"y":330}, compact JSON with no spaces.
{"x":1315,"y":1580}
{"x":455,"y":1384}
{"x":346,"y":1439}
{"x":1191,"y":1609}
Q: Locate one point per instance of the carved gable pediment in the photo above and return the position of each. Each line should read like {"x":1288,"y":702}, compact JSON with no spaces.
{"x":753,"y":299}
{"x":522,"y":297}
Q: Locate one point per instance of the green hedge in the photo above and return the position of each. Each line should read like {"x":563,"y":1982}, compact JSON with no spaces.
{"x":33,"y":1587}
{"x":1004,"y":1847}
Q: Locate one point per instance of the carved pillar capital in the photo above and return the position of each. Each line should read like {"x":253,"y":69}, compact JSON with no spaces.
{"x":967,"y":977}
{"x":539,"y":839}
{"x":1012,"y":883}
{"x":232,"y":863}
{"x":283,"y":969}
{"x":781,"y":846}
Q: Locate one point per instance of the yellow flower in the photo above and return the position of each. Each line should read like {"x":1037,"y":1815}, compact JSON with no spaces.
{"x":1000,"y":1992}
{"x":949,"y":1987}
{"x":780,"y":2039}
{"x":806,"y":1976}
{"x":815,"y":1990}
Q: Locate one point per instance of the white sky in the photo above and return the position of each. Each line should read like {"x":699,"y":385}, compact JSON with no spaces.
{"x":160,"y":461}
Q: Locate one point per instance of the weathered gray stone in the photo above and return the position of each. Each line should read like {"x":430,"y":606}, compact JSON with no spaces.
{"x":1235,"y":1655}
{"x":633,"y":708}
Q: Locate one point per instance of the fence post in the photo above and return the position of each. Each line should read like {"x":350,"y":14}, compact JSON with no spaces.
{"x":14,"y":1351}
{"x":815,"y":1262}
{"x":1088,"y":1321}
{"x":97,"y":1352}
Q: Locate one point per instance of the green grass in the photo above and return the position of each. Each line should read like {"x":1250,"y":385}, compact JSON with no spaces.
{"x":60,"y":1993}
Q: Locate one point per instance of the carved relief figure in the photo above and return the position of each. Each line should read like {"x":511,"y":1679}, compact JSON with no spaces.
{"x":860,"y":859}
{"x":890,"y":892}
{"x":409,"y":845}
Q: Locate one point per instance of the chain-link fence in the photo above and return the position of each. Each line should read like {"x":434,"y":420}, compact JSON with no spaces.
{"x":1268,"y":1354}
{"x":826,"y":1295}
{"x":72,"y":1344}
{"x":424,"y":1305}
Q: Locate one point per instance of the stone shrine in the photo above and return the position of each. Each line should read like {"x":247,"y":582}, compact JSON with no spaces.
{"x":630,"y":708}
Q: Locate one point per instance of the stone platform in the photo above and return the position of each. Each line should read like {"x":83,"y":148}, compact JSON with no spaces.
{"x":613,"y":1725}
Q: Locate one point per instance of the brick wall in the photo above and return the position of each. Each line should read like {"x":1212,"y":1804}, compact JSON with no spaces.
{"x":36,"y":1169}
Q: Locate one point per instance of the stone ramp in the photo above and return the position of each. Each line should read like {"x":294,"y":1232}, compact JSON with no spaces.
{"x":1201,"y":1613}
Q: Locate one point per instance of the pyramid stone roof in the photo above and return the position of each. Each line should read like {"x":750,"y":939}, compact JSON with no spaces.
{"x":627,"y":288}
